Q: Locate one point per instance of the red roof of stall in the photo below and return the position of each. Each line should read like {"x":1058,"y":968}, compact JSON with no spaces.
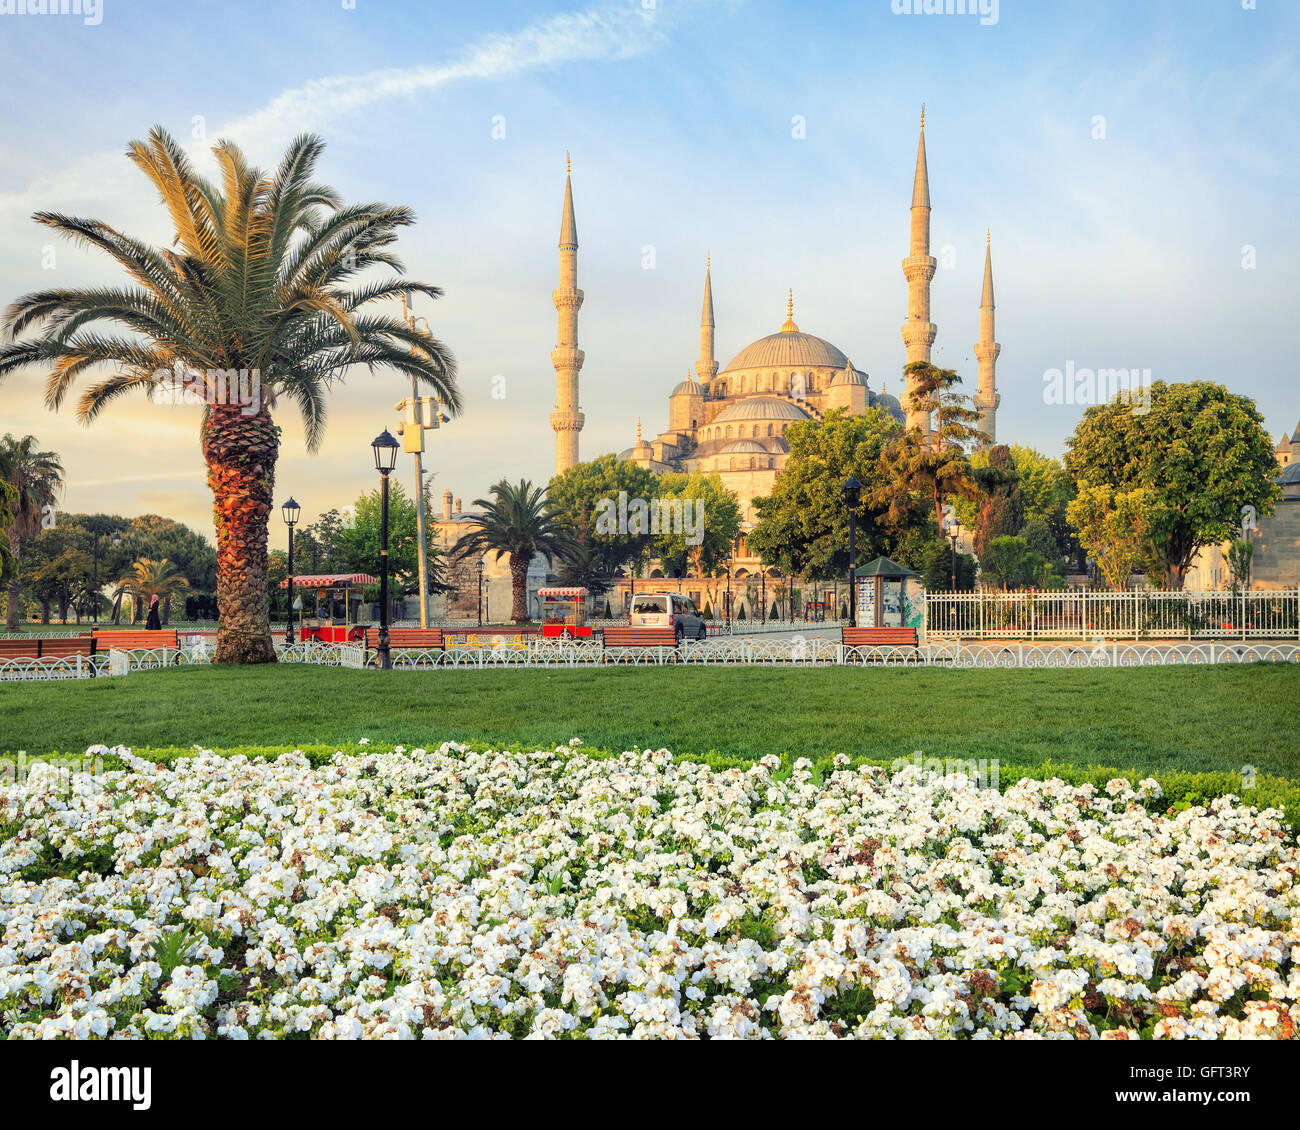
{"x":324,"y":580}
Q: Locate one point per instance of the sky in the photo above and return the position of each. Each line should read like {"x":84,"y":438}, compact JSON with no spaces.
{"x":1135,"y":164}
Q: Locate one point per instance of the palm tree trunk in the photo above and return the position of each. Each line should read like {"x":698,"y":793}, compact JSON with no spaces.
{"x":240,"y":452}
{"x":519,"y":587}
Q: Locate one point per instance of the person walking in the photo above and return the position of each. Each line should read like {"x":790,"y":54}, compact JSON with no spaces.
{"x":153,"y":624}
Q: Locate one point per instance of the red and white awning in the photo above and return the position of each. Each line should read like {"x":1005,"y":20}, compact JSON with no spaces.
{"x":564,"y":594}
{"x":325,"y":580}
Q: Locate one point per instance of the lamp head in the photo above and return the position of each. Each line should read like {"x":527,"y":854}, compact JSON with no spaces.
{"x":385,"y":447}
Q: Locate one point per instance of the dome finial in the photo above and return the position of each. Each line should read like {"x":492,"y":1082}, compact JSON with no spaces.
{"x":789,"y":327}
{"x":638,"y":429}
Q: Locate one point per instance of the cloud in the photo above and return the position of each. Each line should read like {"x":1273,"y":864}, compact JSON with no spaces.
{"x":609,"y":32}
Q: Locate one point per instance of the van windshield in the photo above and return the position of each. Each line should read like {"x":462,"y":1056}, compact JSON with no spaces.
{"x":648,"y":604}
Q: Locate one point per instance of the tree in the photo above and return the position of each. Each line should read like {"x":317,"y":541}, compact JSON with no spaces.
{"x":999,"y":513}
{"x":317,"y":547}
{"x":577,"y":494}
{"x":935,"y":568}
{"x":711,"y":513}
{"x":148,"y":577}
{"x":1198,"y":452}
{"x":1240,"y":554}
{"x":36,"y":478}
{"x":520,"y":523}
{"x":260,"y":289}
{"x":1008,"y":563}
{"x":8,"y":559}
{"x":803,"y":525}
{"x":357,"y":543}
{"x":1114,"y":527}
{"x":933,"y":466}
{"x":1040,"y":539}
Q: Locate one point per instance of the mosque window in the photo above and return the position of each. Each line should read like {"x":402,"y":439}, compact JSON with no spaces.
{"x":769,"y":430}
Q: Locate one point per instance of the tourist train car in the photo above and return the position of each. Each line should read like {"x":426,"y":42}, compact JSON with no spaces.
{"x":564,"y":613}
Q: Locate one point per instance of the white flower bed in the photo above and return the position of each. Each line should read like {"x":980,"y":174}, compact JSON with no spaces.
{"x":448,"y":893}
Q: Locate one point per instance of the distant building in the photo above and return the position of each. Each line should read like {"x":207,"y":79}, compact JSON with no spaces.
{"x":1276,"y":562}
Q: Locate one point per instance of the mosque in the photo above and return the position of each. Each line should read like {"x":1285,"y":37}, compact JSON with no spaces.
{"x":733,"y":419}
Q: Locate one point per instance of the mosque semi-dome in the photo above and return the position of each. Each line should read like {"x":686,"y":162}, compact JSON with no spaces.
{"x":689,"y":387}
{"x":761,"y":408}
{"x":743,"y":447}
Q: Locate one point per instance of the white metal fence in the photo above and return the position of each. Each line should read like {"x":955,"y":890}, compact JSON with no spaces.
{"x":1114,"y":615}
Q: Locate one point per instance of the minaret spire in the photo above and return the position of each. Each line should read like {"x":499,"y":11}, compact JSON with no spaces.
{"x":706,"y":368}
{"x":986,"y":352}
{"x":918,"y":268}
{"x":566,"y":420}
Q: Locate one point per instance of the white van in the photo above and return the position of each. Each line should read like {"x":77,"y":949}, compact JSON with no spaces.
{"x":667,"y":610}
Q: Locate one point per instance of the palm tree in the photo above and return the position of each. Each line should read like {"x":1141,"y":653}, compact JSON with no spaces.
{"x":147,"y":576}
{"x":260,"y":292}
{"x":519,"y":522}
{"x":36,"y":478}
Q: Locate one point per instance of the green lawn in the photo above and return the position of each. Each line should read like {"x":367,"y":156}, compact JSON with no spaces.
{"x":1144,"y":719}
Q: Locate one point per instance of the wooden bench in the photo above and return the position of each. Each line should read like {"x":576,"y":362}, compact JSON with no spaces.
{"x":413,"y":639}
{"x":878,"y":637}
{"x":612,"y":639}
{"x":48,"y":647}
{"x":144,"y":640}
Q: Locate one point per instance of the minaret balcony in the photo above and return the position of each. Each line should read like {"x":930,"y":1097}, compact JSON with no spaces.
{"x":567,"y":298}
{"x":919,"y":333}
{"x":567,"y":421}
{"x":567,"y":357}
{"x":919,"y":268}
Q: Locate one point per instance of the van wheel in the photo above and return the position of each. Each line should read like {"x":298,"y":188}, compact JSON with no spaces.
{"x":681,"y":635}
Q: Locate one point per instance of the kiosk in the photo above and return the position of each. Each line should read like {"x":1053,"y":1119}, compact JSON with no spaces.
{"x":564,"y":613}
{"x":332,"y":591}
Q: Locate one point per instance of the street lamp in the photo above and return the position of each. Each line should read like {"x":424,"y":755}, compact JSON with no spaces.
{"x":852,"y":493}
{"x":480,"y":592}
{"x":292,"y":512}
{"x":728,"y":594}
{"x":385,"y":448}
{"x":954,"y":530}
{"x":762,"y":589}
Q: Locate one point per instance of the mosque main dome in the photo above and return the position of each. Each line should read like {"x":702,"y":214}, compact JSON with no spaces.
{"x":788,"y":348}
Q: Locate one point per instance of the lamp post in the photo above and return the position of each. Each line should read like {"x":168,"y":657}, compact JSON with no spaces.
{"x":762,"y":590}
{"x":954,"y":529}
{"x":292,"y":512}
{"x":728,"y":563}
{"x":480,"y":592}
{"x":852,"y":492}
{"x":385,"y":448}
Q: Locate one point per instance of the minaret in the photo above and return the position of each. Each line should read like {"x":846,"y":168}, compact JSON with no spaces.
{"x":918,"y":267}
{"x":566,"y":420}
{"x":706,"y":368}
{"x":986,"y":351}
